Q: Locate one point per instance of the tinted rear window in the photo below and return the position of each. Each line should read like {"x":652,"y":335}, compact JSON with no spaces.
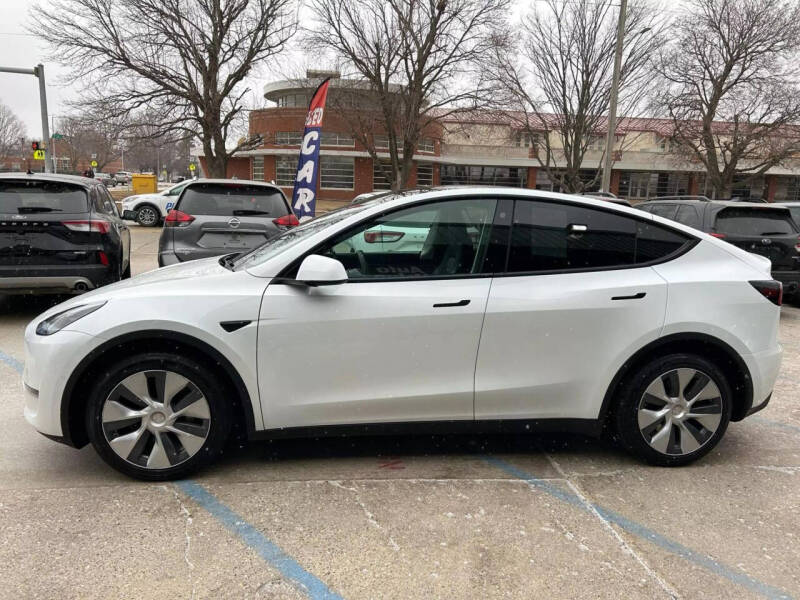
{"x":17,"y":197}
{"x":232,"y":200}
{"x":754,"y":221}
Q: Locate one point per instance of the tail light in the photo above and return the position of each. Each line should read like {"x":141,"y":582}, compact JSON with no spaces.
{"x":88,"y":226}
{"x":374,"y":237}
{"x":770,"y":289}
{"x":177,"y":218}
{"x":286,"y":221}
{"x":797,"y":245}
{"x":103,"y":258}
{"x":718,"y":235}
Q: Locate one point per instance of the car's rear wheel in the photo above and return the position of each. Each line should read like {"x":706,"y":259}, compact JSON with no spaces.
{"x":148,"y":216}
{"x":158,"y":416}
{"x":674,"y":410}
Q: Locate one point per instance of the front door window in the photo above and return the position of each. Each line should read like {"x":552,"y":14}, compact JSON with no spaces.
{"x":441,"y":239}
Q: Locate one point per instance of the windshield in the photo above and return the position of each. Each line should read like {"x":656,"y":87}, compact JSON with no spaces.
{"x":17,"y":197}
{"x":227,"y":199}
{"x":755,"y":221}
{"x":274,"y":246}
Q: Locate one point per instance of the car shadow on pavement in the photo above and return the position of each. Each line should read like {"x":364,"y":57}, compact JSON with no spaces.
{"x":384,"y":447}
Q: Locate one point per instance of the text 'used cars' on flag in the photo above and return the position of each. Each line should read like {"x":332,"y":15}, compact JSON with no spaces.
{"x":304,"y":198}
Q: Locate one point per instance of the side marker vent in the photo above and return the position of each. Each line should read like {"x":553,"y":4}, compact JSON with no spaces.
{"x":231,"y":326}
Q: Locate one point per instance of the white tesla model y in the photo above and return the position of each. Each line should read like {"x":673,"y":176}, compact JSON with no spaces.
{"x":510,"y":310}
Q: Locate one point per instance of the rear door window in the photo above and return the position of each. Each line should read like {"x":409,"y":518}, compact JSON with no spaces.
{"x":27,"y":197}
{"x":662,"y":210}
{"x":754,"y":222}
{"x":688,"y":215}
{"x":232,"y":200}
{"x":557,"y":237}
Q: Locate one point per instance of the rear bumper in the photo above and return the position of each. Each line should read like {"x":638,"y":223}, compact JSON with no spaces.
{"x":764,"y":368}
{"x":56,"y":280}
{"x":789,"y":279}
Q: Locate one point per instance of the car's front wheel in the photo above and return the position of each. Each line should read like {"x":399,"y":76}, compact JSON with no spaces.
{"x":148,"y":216}
{"x":674,"y":410}
{"x":157,"y":416}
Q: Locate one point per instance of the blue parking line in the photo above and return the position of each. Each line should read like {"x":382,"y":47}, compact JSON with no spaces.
{"x":733,"y":575}
{"x":266,"y":548}
{"x":11,"y":362}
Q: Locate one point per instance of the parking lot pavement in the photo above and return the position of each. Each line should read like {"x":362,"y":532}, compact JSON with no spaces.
{"x":403,"y":517}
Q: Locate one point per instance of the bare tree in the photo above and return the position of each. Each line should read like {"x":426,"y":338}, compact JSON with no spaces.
{"x":12,"y":131}
{"x":183,"y":60}
{"x":90,"y":136}
{"x":731,"y":87}
{"x":559,"y":92}
{"x":417,"y":61}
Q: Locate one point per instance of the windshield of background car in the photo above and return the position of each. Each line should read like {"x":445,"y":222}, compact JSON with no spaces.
{"x":19,"y":197}
{"x":754,"y":221}
{"x":274,"y":246}
{"x":226,"y":200}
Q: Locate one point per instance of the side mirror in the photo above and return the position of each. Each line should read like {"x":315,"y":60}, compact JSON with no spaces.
{"x":320,"y":270}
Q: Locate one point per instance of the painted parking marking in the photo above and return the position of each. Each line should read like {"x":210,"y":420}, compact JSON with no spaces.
{"x":266,"y":548}
{"x":11,"y":362}
{"x":734,"y":575}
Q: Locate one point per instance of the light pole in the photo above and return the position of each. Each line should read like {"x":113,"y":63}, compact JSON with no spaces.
{"x":612,"y":104}
{"x":38,"y":71}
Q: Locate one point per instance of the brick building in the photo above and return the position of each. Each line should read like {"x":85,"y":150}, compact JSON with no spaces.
{"x":471,"y":148}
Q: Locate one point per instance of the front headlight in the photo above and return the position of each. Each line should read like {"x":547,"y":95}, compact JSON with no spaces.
{"x":60,"y":320}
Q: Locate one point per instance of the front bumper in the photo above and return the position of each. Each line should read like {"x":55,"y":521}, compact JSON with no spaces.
{"x":49,"y":362}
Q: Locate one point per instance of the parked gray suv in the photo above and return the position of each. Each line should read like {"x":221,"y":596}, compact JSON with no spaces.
{"x":213,"y":217}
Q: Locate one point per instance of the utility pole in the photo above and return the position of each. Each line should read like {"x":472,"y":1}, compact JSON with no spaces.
{"x":38,"y":71}
{"x":612,"y":104}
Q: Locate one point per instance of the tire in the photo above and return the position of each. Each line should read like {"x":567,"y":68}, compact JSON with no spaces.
{"x":659,"y":422}
{"x":151,"y":440}
{"x":147,"y":215}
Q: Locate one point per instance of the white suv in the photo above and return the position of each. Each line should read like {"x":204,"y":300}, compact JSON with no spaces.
{"x":149,"y":210}
{"x":520,"y":311}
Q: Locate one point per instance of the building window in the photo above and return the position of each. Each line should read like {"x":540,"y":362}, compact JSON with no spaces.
{"x":424,"y":174}
{"x":380,"y":141}
{"x":331,"y":138}
{"x":793,"y":189}
{"x":293,"y":101}
{"x":285,"y":170}
{"x":379,"y":180}
{"x":426,"y":145}
{"x":258,"y":168}
{"x":336,"y":172}
{"x":478,"y":175}
{"x":523,"y":139}
{"x":288,"y":138}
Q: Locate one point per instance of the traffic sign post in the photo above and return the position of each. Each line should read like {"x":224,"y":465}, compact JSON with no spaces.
{"x":93,"y":164}
{"x":192,"y":167}
{"x":38,"y":155}
{"x":37,"y":71}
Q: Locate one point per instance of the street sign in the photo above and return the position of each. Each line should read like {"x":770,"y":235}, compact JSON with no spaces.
{"x":94,"y":156}
{"x":38,"y":155}
{"x":58,"y":136}
{"x":192,"y":167}
{"x":94,"y":164}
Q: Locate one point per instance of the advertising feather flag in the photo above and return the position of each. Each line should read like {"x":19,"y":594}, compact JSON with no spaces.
{"x":304,"y":197}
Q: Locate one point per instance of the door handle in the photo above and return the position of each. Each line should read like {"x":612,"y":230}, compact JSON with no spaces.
{"x":449,"y":304}
{"x":638,"y":296}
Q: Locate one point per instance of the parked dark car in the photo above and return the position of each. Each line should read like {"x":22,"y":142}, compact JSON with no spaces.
{"x":106,"y":179}
{"x":761,"y":228}
{"x":213,"y":217}
{"x":794,"y":208}
{"x":608,"y":197}
{"x":59,"y":234}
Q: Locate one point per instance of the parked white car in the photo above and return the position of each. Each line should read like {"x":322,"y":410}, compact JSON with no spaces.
{"x":149,"y":210}
{"x":522,"y":311}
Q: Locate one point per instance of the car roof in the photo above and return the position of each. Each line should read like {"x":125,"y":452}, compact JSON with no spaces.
{"x":189,"y":182}
{"x":74,"y":179}
{"x":719,"y":203}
